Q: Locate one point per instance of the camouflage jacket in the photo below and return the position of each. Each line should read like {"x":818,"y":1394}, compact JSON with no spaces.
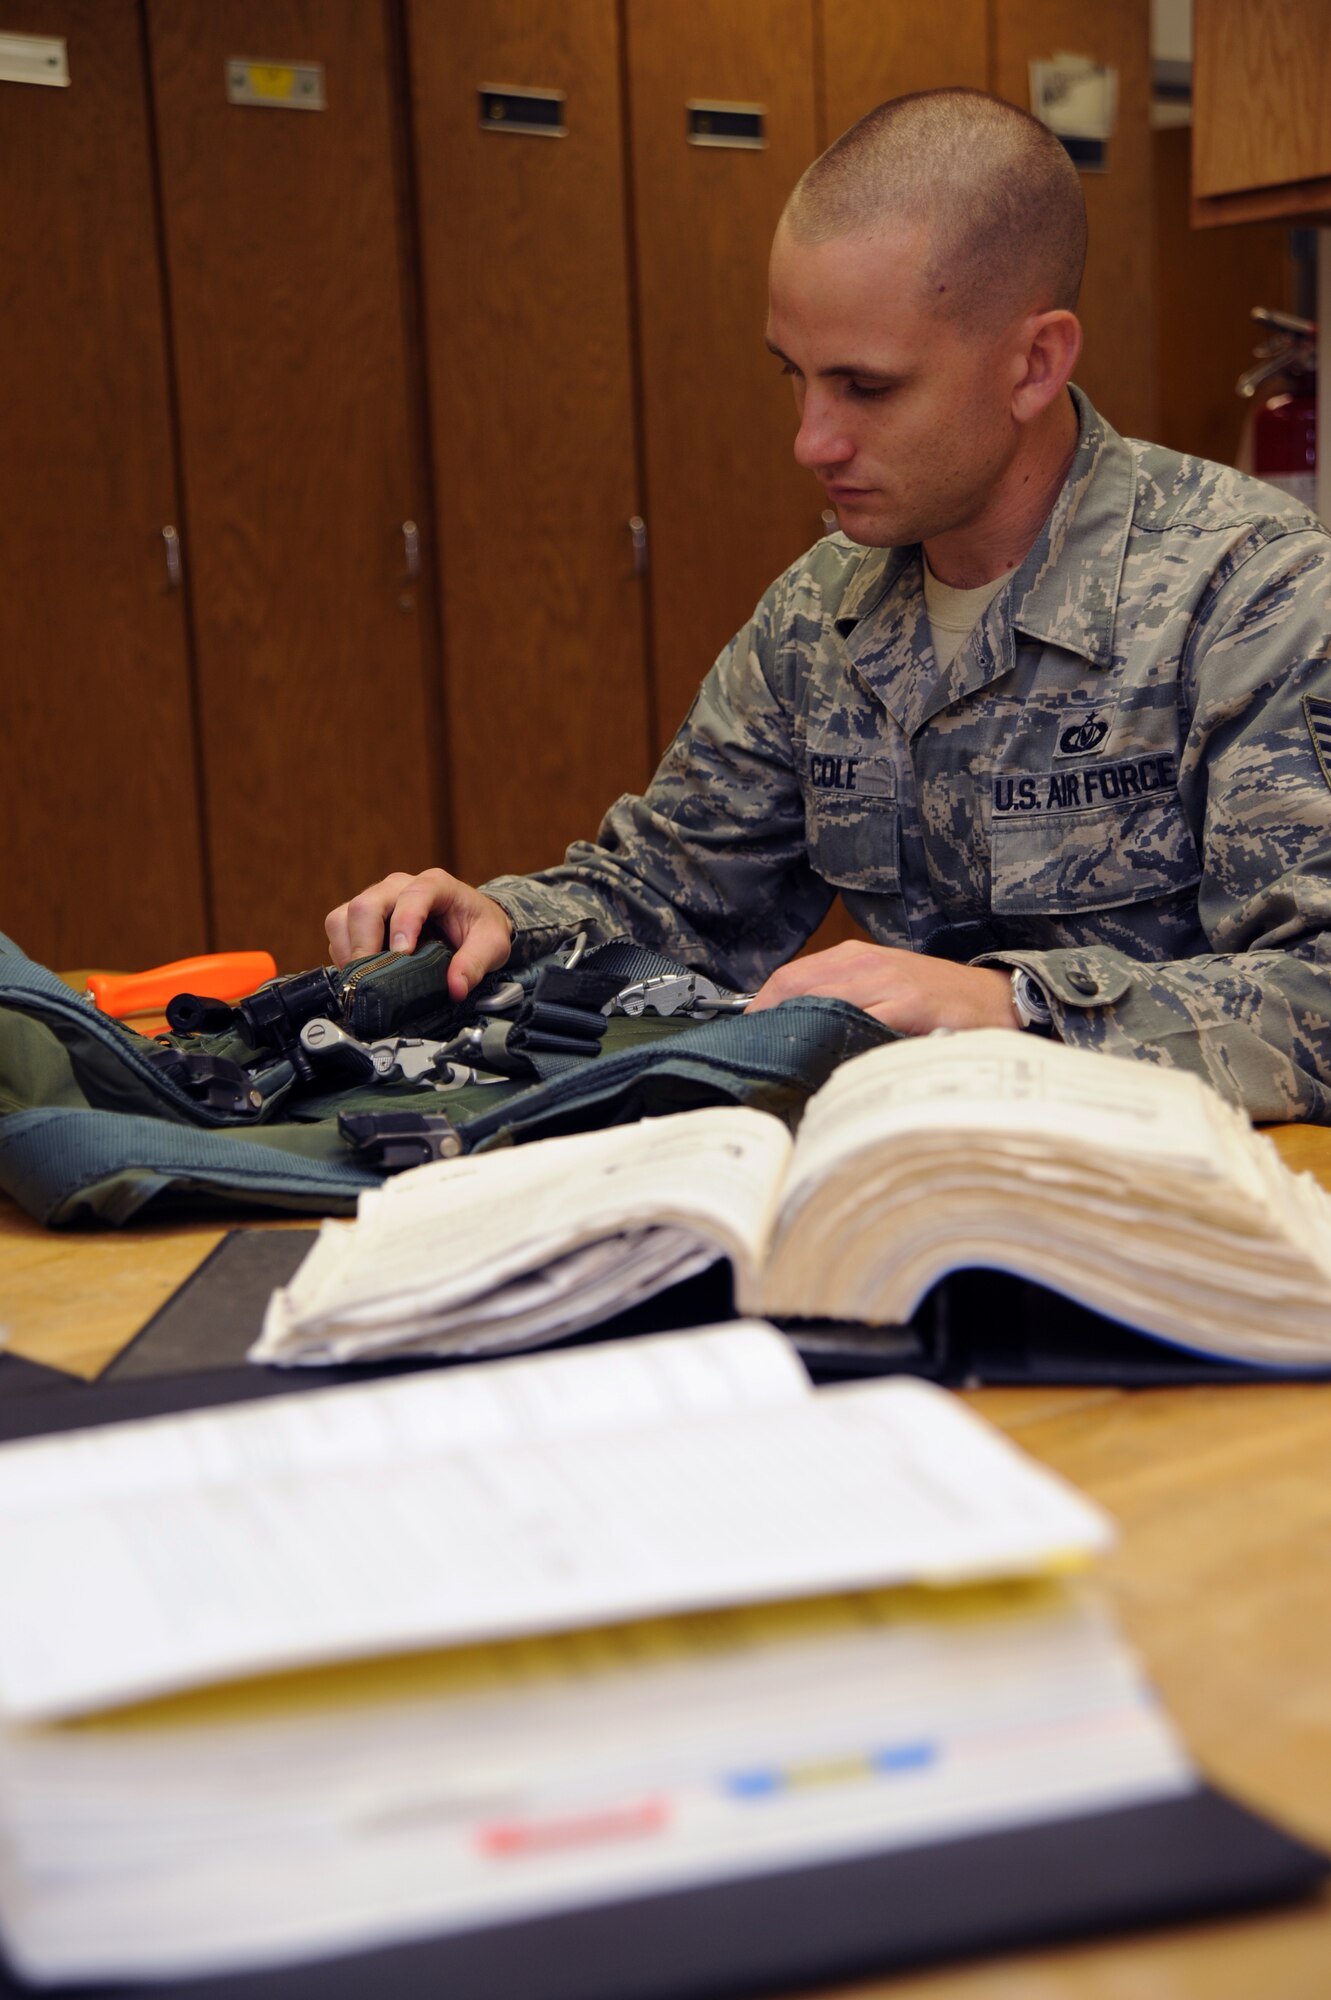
{"x":1123,"y":781}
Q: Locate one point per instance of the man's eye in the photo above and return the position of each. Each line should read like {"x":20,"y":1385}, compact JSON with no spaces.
{"x":866,"y":392}
{"x":789,"y":368}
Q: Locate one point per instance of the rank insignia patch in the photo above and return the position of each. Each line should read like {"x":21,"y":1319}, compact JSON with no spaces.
{"x":1318,"y":713}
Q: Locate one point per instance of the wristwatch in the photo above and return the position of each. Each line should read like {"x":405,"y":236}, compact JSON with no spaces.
{"x":1034,"y":1016}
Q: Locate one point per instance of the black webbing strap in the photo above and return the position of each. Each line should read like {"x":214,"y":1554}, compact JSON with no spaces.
{"x":562,"y":1022}
{"x":623,"y":961}
{"x":778,"y":1057}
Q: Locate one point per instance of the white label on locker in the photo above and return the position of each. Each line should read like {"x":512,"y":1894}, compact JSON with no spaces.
{"x":34,"y":59}
{"x":279,"y":86}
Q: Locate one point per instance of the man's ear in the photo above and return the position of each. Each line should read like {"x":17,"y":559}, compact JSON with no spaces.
{"x":1051,"y":345}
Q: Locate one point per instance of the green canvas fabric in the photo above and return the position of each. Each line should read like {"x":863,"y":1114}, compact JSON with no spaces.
{"x":91,"y":1132}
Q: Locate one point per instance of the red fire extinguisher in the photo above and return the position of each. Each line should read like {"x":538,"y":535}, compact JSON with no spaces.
{"x":1284,"y":388}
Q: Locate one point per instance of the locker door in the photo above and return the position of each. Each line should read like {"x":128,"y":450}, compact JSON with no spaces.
{"x":529,"y":358}
{"x":727,"y":507}
{"x":286,"y":264}
{"x":873,"y":49}
{"x":99,"y":830}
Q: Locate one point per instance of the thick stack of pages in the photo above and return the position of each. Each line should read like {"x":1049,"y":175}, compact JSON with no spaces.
{"x":1132,"y":1188}
{"x":701,"y":1625}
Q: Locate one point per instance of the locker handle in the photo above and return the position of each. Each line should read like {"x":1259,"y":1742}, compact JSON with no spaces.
{"x":171,"y":541}
{"x":638,"y":534}
{"x":411,"y":548}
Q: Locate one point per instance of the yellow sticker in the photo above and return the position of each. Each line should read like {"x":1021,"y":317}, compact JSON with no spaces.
{"x":272,"y":80}
{"x":279,"y":86}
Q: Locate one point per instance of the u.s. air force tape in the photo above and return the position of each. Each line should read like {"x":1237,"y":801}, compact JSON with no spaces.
{"x":1076,"y":790}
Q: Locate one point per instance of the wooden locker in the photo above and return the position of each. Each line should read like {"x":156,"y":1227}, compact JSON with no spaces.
{"x":875,"y":49}
{"x":286,"y":256}
{"x":727,"y":507}
{"x":1117,"y":365}
{"x":100,"y":842}
{"x":528,"y":347}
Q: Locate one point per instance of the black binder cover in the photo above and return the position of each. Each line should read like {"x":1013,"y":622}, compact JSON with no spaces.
{"x":1192,"y":1856}
{"x":975,"y":1327}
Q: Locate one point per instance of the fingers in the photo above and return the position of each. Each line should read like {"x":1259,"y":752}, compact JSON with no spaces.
{"x":484,"y":944}
{"x":906,"y":990}
{"x":433,"y":894}
{"x":355,"y":929}
{"x":824,"y":973}
{"x":781,"y":986}
{"x":396,"y":910}
{"x":389,"y":914}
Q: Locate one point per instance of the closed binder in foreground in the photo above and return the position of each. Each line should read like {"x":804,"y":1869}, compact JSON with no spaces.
{"x":744,"y":1799}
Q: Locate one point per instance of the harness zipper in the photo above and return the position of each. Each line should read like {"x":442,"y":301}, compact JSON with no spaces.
{"x":348,"y":992}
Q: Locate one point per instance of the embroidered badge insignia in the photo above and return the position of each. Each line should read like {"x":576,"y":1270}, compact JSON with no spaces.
{"x":1085,"y":735}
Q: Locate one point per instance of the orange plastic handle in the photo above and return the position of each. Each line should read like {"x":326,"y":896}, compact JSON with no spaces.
{"x":219,"y":975}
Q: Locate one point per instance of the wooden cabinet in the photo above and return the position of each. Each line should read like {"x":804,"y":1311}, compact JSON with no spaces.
{"x":529,"y":356}
{"x":875,"y":49}
{"x":301,"y":475}
{"x":99,"y":825}
{"x":727,"y":508}
{"x":1261,"y":110}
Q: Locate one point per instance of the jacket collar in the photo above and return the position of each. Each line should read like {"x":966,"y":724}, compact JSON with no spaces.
{"x":1065,"y":591}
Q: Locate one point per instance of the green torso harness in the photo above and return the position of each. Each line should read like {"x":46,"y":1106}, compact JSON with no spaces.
{"x":255,"y":1107}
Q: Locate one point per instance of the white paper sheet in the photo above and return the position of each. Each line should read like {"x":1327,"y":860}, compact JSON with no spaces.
{"x":569,"y":1489}
{"x":445,"y":1254}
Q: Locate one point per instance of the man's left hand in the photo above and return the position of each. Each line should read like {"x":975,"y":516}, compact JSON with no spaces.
{"x":908,"y":991}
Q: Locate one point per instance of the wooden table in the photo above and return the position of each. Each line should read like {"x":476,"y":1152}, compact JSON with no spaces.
{"x":1222,"y":1579}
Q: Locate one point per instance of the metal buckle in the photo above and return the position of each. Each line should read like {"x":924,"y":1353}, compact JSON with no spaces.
{"x":394,"y":1140}
{"x":691,"y":994}
{"x":215,"y":1081}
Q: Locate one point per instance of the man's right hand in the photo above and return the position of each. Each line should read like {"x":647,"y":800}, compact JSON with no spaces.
{"x":478,"y":930}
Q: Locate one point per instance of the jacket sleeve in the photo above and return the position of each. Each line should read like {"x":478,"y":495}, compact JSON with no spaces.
{"x":709,"y":865}
{"x":1252,"y":1015}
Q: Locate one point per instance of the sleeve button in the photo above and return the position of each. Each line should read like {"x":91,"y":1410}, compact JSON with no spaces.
{"x":1082,"y":982}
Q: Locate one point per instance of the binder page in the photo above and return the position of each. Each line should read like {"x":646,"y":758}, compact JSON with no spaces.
{"x":167,"y":1556}
{"x":988,"y":1081}
{"x":1133,"y":1188}
{"x":527,"y":1401}
{"x":533,"y":1239}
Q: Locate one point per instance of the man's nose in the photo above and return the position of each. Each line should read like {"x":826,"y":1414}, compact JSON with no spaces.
{"x":821,"y":439}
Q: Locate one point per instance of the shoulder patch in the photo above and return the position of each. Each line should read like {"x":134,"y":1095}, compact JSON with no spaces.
{"x":1318,"y":713}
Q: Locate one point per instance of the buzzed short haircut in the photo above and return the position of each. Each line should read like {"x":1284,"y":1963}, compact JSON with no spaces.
{"x":997,"y":192}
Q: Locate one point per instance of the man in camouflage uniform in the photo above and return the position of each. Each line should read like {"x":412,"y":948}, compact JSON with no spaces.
{"x":1107,"y":811}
